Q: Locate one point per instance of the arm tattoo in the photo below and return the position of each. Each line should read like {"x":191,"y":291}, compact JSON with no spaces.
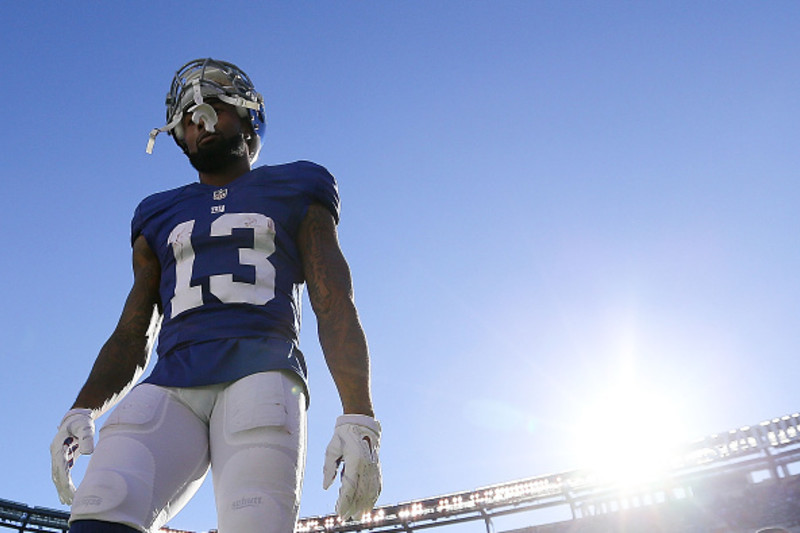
{"x":330,"y":289}
{"x":124,"y":357}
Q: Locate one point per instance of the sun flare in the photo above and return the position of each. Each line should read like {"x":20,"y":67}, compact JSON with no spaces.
{"x":629,"y":433}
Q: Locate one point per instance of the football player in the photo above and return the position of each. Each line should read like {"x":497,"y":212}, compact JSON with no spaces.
{"x":219,"y":268}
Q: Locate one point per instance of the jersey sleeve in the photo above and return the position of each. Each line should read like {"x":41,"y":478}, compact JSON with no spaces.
{"x":137,"y":224}
{"x":322,"y":188}
{"x":149,"y":210}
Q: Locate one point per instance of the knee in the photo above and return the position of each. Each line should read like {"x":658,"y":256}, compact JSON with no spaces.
{"x":258,"y":510}
{"x":100,"y":492}
{"x":108,"y":496}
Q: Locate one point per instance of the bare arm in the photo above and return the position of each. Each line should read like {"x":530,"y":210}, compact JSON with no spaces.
{"x":330,"y":289}
{"x":123,"y":358}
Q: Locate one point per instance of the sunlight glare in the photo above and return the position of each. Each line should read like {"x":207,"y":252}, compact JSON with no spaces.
{"x":629,"y":433}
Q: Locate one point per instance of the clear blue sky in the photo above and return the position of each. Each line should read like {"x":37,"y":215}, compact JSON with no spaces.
{"x":550,"y":208}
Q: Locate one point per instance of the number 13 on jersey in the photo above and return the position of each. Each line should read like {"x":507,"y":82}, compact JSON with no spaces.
{"x":223,"y":286}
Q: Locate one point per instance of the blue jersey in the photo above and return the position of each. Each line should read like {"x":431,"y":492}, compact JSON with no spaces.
{"x":231,"y":274}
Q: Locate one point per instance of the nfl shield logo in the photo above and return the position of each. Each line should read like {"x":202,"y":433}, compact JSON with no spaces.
{"x":220,"y":194}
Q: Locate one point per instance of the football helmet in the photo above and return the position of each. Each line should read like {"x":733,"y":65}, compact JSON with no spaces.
{"x":202,"y":79}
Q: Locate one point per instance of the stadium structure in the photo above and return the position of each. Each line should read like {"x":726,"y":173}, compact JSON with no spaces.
{"x":739,"y":481}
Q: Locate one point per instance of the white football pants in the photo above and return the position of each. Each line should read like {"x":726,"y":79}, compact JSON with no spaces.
{"x":156,"y":447}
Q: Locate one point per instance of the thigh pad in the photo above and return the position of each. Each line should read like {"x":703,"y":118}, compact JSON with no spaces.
{"x":140,"y":408}
{"x":255,"y":402}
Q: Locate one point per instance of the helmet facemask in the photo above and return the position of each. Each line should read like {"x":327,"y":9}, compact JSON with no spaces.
{"x":203,"y":79}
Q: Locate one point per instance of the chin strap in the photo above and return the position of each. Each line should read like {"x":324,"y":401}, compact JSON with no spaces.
{"x":156,"y":131}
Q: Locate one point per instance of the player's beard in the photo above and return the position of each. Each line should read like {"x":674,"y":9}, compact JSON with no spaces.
{"x":219,"y":154}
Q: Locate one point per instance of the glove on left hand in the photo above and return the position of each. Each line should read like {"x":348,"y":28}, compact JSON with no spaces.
{"x":75,"y":437}
{"x":355,"y":442}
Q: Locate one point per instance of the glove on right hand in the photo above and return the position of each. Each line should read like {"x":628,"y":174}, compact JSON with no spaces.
{"x":75,"y":437}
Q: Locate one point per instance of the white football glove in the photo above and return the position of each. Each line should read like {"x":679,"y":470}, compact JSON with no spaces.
{"x":75,"y":437}
{"x":355,"y":442}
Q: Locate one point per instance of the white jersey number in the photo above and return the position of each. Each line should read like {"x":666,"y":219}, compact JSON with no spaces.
{"x":223,"y":286}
